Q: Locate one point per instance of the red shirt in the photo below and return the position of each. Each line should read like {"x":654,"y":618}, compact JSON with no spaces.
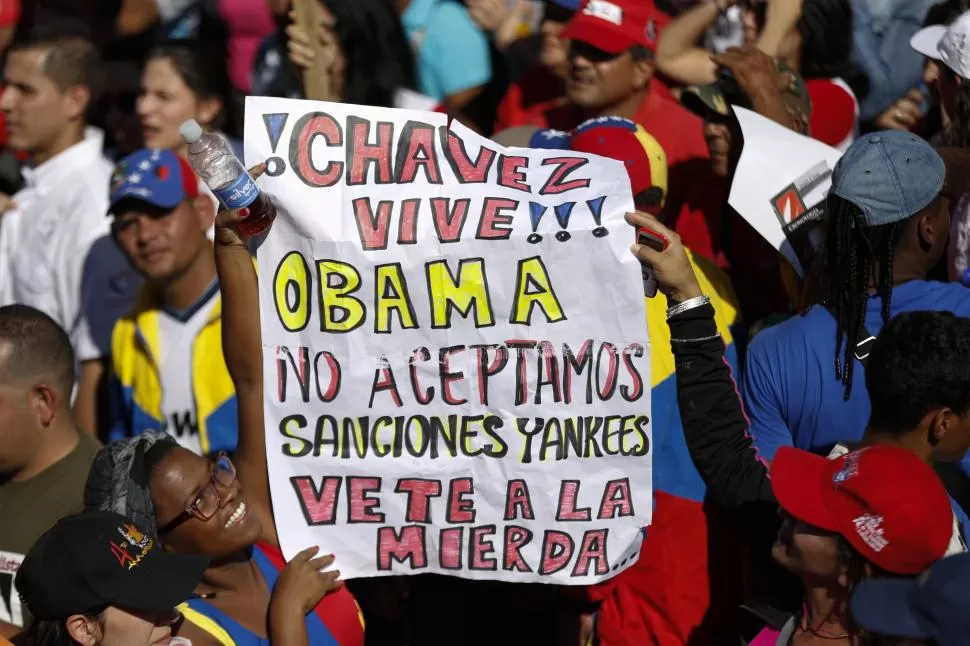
{"x":537,"y":99}
{"x":695,"y":195}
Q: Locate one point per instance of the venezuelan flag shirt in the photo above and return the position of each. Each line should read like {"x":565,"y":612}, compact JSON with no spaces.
{"x":336,"y":621}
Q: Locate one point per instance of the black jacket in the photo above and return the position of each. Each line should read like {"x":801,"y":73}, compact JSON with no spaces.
{"x":716,"y":428}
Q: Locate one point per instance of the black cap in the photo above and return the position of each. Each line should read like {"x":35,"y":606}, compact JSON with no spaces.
{"x":97,"y":559}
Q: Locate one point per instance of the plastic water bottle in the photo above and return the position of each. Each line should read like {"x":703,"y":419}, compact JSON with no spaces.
{"x":212,"y":159}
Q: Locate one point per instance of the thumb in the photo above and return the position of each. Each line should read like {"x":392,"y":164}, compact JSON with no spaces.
{"x":646,"y":255}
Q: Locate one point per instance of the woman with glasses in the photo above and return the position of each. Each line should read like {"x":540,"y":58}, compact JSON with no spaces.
{"x":221,"y":508}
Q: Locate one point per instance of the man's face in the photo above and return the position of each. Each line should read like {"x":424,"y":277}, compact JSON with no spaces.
{"x":20,"y":423}
{"x":36,"y":111}
{"x":161,"y":245}
{"x":718,"y":136}
{"x":597,"y":80}
{"x":954,"y":440}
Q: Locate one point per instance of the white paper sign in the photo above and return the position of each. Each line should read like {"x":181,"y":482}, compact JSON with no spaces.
{"x":456,"y":361}
{"x":781,"y":174}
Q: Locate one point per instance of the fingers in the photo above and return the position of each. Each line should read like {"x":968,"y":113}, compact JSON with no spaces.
{"x":724,"y":60}
{"x":331,"y":578}
{"x":641,"y":219}
{"x":646,"y":255}
{"x":257,"y":170}
{"x":305,"y":555}
{"x":321,"y":562}
{"x":915,"y":96}
{"x":300,"y":50}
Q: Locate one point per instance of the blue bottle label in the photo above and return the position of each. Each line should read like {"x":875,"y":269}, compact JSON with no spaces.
{"x":240,"y":193}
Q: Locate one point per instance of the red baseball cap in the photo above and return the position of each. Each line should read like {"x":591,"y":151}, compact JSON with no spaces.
{"x":641,"y":154}
{"x":886,"y":502}
{"x":615,"y":26}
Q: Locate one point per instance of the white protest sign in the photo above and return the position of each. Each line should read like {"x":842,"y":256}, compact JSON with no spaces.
{"x":781,"y":176}
{"x":456,"y":358}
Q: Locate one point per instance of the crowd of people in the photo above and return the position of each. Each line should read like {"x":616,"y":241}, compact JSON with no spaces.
{"x":810,"y":423}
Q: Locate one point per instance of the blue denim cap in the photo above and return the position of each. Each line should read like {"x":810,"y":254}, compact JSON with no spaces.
{"x":890,"y":176}
{"x":934,"y":605}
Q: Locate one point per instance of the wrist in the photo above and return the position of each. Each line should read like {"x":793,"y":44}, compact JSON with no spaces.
{"x":686,"y":293}
{"x":283,"y":609}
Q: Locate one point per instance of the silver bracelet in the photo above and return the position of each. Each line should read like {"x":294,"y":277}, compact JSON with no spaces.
{"x":698,"y":340}
{"x":689,"y":304}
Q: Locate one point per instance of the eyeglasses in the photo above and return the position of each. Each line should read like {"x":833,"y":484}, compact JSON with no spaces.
{"x":205,"y":504}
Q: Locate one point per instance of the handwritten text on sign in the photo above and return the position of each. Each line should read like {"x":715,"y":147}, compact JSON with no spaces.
{"x":455,"y":349}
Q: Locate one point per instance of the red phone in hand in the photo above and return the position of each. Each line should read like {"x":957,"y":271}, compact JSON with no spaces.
{"x":657,"y":242}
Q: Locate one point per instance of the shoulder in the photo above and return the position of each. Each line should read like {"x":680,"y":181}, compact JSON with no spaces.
{"x":797,"y":330}
{"x":195,"y":634}
{"x":679,"y":131}
{"x":449,"y":20}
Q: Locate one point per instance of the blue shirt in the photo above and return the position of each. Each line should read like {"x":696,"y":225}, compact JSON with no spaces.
{"x":790,"y":391}
{"x":452,"y":52}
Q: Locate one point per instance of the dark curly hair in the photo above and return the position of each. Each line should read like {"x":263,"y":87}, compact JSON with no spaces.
{"x":919,"y":363}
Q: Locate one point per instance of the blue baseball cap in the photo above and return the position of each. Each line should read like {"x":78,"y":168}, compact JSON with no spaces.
{"x":550,"y":139}
{"x":935,"y":605}
{"x":890,"y":175}
{"x":157,"y":177}
{"x":572,"y":5}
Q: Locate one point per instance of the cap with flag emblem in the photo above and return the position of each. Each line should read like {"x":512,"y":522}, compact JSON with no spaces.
{"x":157,"y":177}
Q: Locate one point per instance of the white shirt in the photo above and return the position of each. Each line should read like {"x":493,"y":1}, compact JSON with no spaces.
{"x":176,"y":339}
{"x":45,"y":240}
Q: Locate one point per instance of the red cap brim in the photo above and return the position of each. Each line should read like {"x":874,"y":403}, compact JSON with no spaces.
{"x":797,"y":478}
{"x":595,"y":32}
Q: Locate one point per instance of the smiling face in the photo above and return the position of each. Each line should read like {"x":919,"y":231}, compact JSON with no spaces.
{"x":597,"y":80}
{"x":160,"y":244}
{"x":177,"y":483}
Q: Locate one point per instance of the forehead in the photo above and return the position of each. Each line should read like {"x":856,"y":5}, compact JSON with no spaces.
{"x":178,"y":477}
{"x":134,"y":209}
{"x":26,"y":66}
{"x":160,"y":72}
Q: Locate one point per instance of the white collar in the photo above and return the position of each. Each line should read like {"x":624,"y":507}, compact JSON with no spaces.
{"x":78,"y":156}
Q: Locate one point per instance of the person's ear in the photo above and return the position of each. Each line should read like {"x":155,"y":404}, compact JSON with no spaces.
{"x":44,"y":400}
{"x":930,"y":226}
{"x":643,"y":70}
{"x":83,"y":630}
{"x":939,"y":422}
{"x":205,"y":212}
{"x":208,"y":110}
{"x":76,"y":101}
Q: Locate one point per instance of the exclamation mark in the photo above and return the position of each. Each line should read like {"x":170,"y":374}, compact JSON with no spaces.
{"x":536,"y":211}
{"x":275,"y":123}
{"x":596,"y":208}
{"x":563,"y":211}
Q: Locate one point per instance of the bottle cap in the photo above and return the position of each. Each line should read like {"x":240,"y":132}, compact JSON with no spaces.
{"x":191,"y":131}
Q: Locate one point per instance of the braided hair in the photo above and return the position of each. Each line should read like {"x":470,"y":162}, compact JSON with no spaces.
{"x":858,"y":257}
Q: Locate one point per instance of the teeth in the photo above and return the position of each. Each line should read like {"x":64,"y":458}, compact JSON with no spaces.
{"x":236,"y":515}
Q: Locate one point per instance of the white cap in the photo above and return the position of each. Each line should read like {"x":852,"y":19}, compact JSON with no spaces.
{"x":191,"y":131}
{"x":949,"y":45}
